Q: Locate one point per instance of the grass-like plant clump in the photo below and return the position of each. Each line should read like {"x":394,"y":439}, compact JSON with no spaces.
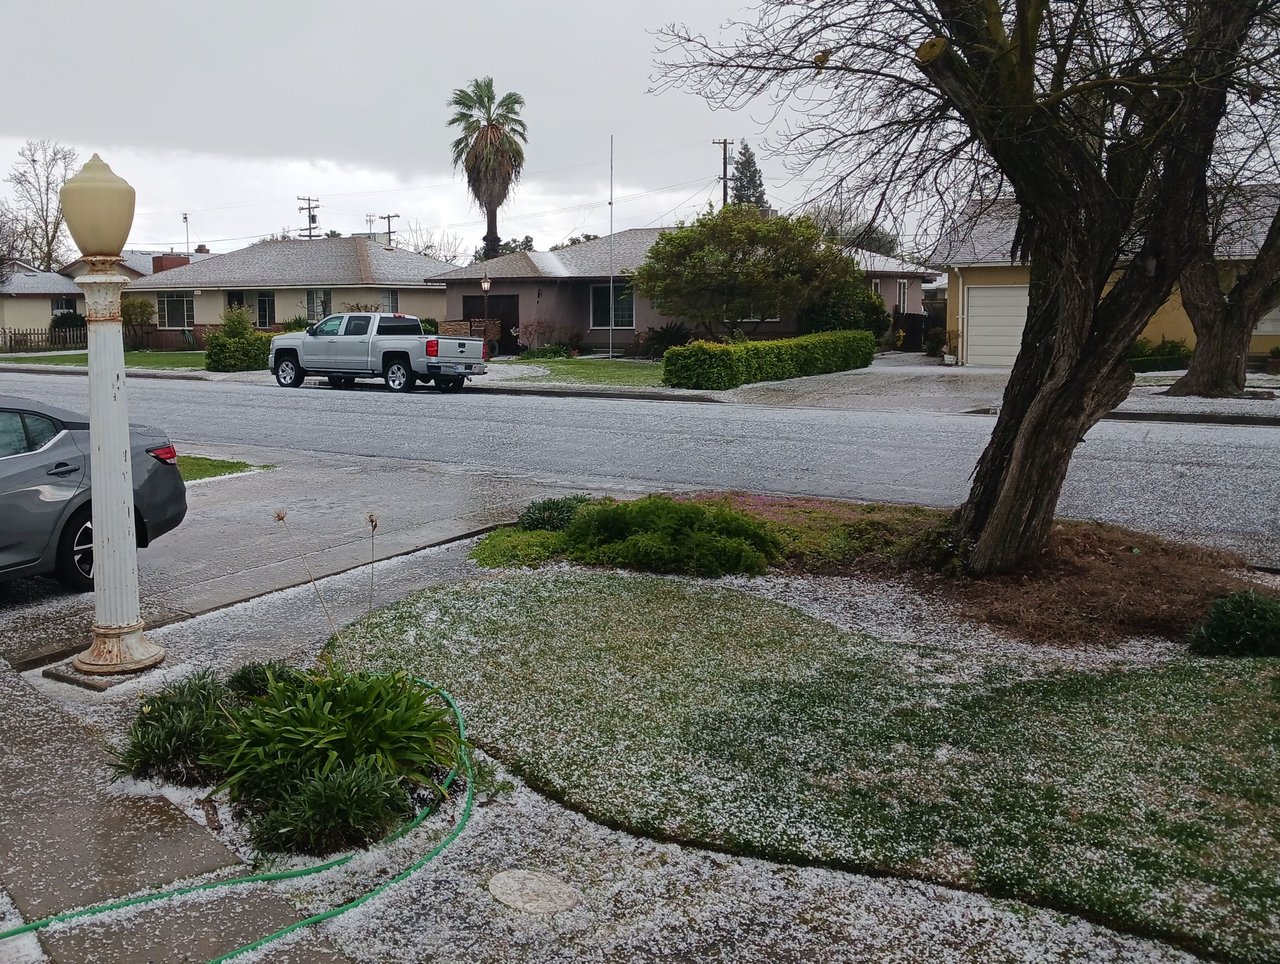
{"x":317,"y":761}
{"x":1242,"y":624}
{"x":554,"y":515}
{"x":176,"y":731}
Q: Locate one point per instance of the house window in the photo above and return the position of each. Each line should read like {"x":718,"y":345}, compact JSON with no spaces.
{"x":319,"y":303}
{"x":235,"y":299}
{"x":266,"y":309}
{"x":175,"y":309}
{"x":875,"y":285}
{"x":63,"y":305}
{"x":624,"y":308}
{"x":390,"y":300}
{"x":902,"y":294}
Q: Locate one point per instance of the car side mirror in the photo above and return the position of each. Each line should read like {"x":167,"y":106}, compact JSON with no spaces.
{"x":311,"y":329}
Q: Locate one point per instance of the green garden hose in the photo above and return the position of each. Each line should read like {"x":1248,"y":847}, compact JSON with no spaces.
{"x":463,"y":756}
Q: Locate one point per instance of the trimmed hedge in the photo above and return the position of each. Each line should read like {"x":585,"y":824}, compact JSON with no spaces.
{"x":714,"y":367}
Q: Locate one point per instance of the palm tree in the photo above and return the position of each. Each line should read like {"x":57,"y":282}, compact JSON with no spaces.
{"x":490,"y":148}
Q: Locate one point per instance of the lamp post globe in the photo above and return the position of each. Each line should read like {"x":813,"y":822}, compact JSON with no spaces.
{"x":98,"y":208}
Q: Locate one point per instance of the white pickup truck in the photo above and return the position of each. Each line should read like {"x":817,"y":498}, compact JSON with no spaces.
{"x":362,"y":344}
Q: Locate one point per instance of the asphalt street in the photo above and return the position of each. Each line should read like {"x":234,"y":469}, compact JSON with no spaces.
{"x":1215,"y":484}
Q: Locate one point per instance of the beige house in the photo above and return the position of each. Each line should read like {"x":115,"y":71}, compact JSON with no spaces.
{"x":30,"y":298}
{"x":547,"y":296}
{"x":279,"y":281}
{"x":987,"y":295}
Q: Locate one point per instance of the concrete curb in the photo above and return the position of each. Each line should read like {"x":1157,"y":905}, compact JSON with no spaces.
{"x":588,"y":391}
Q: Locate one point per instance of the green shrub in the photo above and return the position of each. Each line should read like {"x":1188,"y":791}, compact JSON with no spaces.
{"x":504,"y":548}
{"x":67,"y":320}
{"x":934,"y":340}
{"x":299,"y":323}
{"x":430,"y":326}
{"x":254,"y":679}
{"x":659,"y":534}
{"x":702,"y":364}
{"x":1165,"y":355}
{"x":237,"y":347}
{"x":553,"y":515}
{"x":348,"y":806}
{"x":714,"y":367}
{"x":657,"y":341}
{"x":1242,"y":624}
{"x":175,"y":732}
{"x":1275,"y":352}
{"x":297,"y":732}
{"x":853,"y":306}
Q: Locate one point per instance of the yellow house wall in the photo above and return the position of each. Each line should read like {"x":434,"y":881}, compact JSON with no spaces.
{"x":1169,"y":321}
{"x":30,"y":311}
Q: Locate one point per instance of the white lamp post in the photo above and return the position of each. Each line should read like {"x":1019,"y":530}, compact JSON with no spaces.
{"x":98,"y":207}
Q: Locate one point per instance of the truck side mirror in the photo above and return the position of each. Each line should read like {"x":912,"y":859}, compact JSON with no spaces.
{"x":311,"y":329}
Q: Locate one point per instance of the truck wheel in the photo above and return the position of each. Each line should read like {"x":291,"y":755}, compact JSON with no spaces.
{"x":398,"y":375}
{"x":74,"y":563}
{"x":289,"y":374}
{"x":450,"y":383}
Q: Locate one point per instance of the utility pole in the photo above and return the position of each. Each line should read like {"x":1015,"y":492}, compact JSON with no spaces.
{"x":310,"y":206}
{"x":368,"y":223}
{"x":387,"y":218}
{"x":187,"y":228}
{"x":724,"y":177}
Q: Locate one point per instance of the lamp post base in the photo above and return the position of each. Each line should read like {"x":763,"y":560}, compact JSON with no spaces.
{"x":119,"y":649}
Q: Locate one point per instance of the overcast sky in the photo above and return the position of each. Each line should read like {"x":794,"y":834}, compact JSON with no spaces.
{"x":230,"y":109}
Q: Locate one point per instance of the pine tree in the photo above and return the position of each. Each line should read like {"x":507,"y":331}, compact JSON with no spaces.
{"x":748,"y":184}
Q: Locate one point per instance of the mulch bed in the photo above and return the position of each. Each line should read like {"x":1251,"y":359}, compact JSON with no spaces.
{"x":1095,"y":583}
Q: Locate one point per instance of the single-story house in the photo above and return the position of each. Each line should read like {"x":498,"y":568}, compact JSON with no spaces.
{"x":31,"y":299}
{"x":547,"y":296}
{"x":136,"y":263}
{"x":282,"y":280}
{"x":988,"y":293}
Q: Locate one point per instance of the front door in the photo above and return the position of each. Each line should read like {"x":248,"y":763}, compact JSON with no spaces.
{"x":502,"y":308}
{"x":352,"y":351}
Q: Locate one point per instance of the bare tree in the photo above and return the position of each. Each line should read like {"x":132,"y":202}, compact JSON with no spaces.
{"x":36,"y":177}
{"x":1100,"y":118}
{"x":446,"y":246}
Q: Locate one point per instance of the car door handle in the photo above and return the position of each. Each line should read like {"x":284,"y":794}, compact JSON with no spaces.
{"x":64,"y":469}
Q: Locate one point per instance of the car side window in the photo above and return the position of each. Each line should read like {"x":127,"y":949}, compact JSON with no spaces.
{"x":357,"y":325}
{"x":39,"y":430}
{"x":329,"y":326}
{"x":13,"y":437}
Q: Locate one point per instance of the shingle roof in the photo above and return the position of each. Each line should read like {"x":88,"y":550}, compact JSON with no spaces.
{"x":872,"y":262}
{"x":590,"y":259}
{"x":22,"y":279}
{"x":321,"y":262}
{"x":983,"y":234}
{"x":140,"y":261}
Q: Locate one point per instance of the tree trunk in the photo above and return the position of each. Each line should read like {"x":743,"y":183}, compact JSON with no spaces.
{"x":1054,"y":396}
{"x":1222,"y":345}
{"x":492,"y":243}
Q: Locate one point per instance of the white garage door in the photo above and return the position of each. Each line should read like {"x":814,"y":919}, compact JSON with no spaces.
{"x":1270,"y":323}
{"x":994,"y":319}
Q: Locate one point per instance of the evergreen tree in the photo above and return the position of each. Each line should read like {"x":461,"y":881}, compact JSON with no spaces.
{"x":748,"y":184}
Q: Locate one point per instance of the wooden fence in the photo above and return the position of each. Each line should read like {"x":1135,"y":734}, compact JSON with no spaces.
{"x":17,"y":340}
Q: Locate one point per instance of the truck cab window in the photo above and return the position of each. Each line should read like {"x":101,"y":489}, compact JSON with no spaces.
{"x":357,"y":325}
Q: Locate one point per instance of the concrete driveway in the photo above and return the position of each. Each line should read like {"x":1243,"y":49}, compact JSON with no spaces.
{"x":231,"y":548}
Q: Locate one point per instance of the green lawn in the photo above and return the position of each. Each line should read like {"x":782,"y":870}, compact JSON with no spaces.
{"x":132,"y":359}
{"x":605,"y":371}
{"x":195,"y":467}
{"x":1145,"y":794}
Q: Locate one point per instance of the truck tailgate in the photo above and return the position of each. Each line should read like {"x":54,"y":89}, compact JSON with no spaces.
{"x":459,"y":349}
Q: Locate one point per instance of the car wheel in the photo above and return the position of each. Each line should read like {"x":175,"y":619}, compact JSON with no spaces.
{"x":74,"y":565}
{"x":289,"y":373}
{"x":340,"y":381}
{"x":451,"y":383}
{"x":398,"y":375}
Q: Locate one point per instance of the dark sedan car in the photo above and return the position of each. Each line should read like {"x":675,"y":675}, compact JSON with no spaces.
{"x":45,"y":521}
